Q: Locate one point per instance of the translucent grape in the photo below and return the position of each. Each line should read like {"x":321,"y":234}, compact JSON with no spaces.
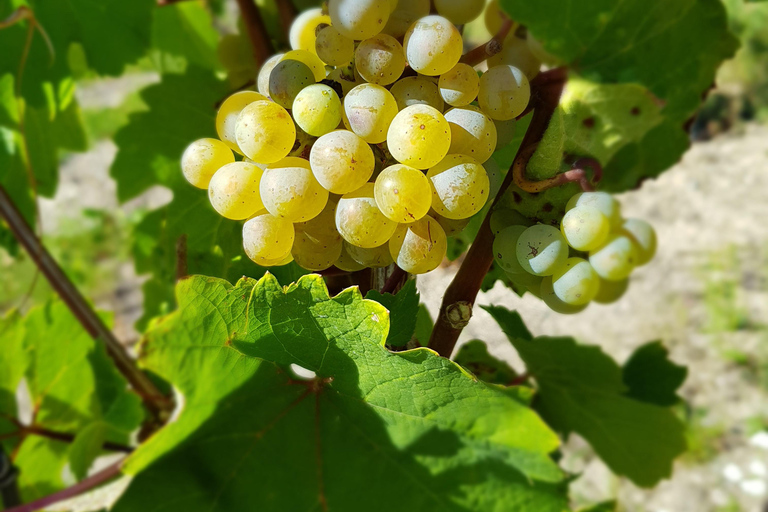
{"x":303,"y":31}
{"x":265,"y":132}
{"x":405,"y":14}
{"x":452,"y":227}
{"x":515,"y":52}
{"x":277,"y":262}
{"x":341,"y":161}
{"x":267,"y":238}
{"x":504,"y":92}
{"x":460,"y":85}
{"x":317,"y":110}
{"x":287,"y":80}
{"x":585,"y":228}
{"x":368,"y":111}
{"x":419,"y":247}
{"x":433,"y":45}
{"x":359,"y":19}
{"x":360,"y":221}
{"x":602,"y":201}
{"x":314,"y":254}
{"x":504,"y":217}
{"x":459,"y":11}
{"x":645,"y":239}
{"x":416,"y":90}
{"x":203,"y":158}
{"x":289,"y":190}
{"x":541,"y":250}
{"x":459,"y":186}
{"x":616,"y":259}
{"x":234,"y":190}
{"x":505,"y":132}
{"x":576,"y":282}
{"x":333,"y":48}
{"x":528,"y":282}
{"x":472,"y":132}
{"x":419,"y":136}
{"x":611,"y":291}
{"x":346,"y":263}
{"x":262,"y":81}
{"x":494,"y":17}
{"x":347,"y":77}
{"x":505,"y":249}
{"x":495,"y":176}
{"x":402,"y":193}
{"x":375,"y":257}
{"x":380,"y":59}
{"x":226,"y":118}
{"x":308,"y":58}
{"x":323,"y":226}
{"x":547,"y":294}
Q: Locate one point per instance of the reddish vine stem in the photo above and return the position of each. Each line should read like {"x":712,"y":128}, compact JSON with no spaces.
{"x":286,"y":11}
{"x":394,"y":280}
{"x":158,"y":405}
{"x":460,"y":296}
{"x":489,"y":49}
{"x":257,"y":31}
{"x":79,"y":488}
{"x":35,"y":430}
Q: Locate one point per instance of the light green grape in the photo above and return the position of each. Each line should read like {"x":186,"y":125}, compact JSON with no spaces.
{"x":433,"y":45}
{"x":368,"y":111}
{"x":550,"y":298}
{"x":419,"y":247}
{"x":645,"y":239}
{"x":317,"y":110}
{"x":309,"y":59}
{"x":416,"y":90}
{"x":528,"y":282}
{"x":405,"y":14}
{"x":289,"y":190}
{"x":494,"y":17}
{"x":460,"y":85}
{"x":419,"y":136}
{"x":472,"y":132}
{"x":347,"y":77}
{"x":287,"y":80}
{"x":495,"y":176}
{"x":585,"y":228}
{"x":267,"y":238}
{"x":616,"y":259}
{"x":515,"y":52}
{"x":203,"y":158}
{"x":460,"y":11}
{"x":226,"y":118}
{"x":262,"y":81}
{"x":265,"y":132}
{"x":505,"y":132}
{"x":502,"y":218}
{"x":459,"y":186}
{"x":402,"y":193}
{"x":602,"y":201}
{"x":359,"y":220}
{"x":278,"y":262}
{"x":380,"y":59}
{"x":234,"y":190}
{"x":333,"y":48}
{"x":346,"y":263}
{"x":452,"y":227}
{"x":504,"y":92}
{"x":541,"y":250}
{"x":611,"y":291}
{"x":505,"y":249}
{"x":576,"y":282}
{"x":375,"y":257}
{"x":303,"y":31}
{"x":315,"y":254}
{"x":341,"y":161}
{"x":359,"y":19}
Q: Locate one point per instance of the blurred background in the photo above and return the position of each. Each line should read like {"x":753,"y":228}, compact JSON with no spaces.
{"x":705,"y":295}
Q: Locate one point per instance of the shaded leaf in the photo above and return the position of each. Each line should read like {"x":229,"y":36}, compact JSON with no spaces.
{"x":403,"y":310}
{"x":652,"y":377}
{"x":474,"y":356}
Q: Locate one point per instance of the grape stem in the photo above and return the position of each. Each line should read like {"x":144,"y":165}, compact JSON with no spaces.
{"x":546,"y":90}
{"x":394,"y":280}
{"x":489,"y":49}
{"x":286,"y":11}
{"x":35,"y":430}
{"x":257,"y":31}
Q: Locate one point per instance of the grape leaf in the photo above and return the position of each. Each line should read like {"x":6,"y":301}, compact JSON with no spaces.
{"x":424,"y":325}
{"x":474,"y":356}
{"x":652,"y":377}
{"x":403,"y":310}
{"x":182,"y":34}
{"x":581,"y":390}
{"x":370,"y":422}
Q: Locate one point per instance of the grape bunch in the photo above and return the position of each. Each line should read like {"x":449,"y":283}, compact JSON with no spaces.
{"x":590,"y":258}
{"x":368,"y":143}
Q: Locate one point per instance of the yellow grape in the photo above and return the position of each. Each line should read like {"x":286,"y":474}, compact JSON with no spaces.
{"x":375,"y":257}
{"x":460,"y":11}
{"x":504,"y":92}
{"x":402,"y":193}
{"x":368,"y":111}
{"x":405,"y":14}
{"x":472,"y":132}
{"x":226,"y":118}
{"x":576,"y":282}
{"x":417,"y":90}
{"x":433,"y":45}
{"x":359,"y":220}
{"x":616,"y":259}
{"x":317,"y":110}
{"x":287,"y":80}
{"x":451,"y":227}
{"x":419,"y":247}
{"x":309,"y":59}
{"x":541,"y":250}
{"x":203,"y":158}
{"x":611,"y":291}
{"x":267,"y":238}
{"x":341,"y":161}
{"x":265,"y":132}
{"x":459,"y":86}
{"x":644,"y":237}
{"x":347,"y":263}
{"x":234,"y":190}
{"x":380,"y":59}
{"x":315,"y":254}
{"x":277,"y":262}
{"x":494,"y":17}
{"x":515,"y":52}
{"x":359,"y":19}
{"x":459,"y":186}
{"x":333,"y":48}
{"x":262,"y":81}
{"x":289,"y":190}
{"x":585,"y":228}
{"x":392,"y":5}
{"x":419,"y":136}
{"x":302,"y":33}
{"x":602,"y":201}
{"x":550,"y":298}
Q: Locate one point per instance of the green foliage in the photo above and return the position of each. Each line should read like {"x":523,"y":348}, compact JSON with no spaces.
{"x":403,"y":310}
{"x":651,"y":377}
{"x":474,"y":357}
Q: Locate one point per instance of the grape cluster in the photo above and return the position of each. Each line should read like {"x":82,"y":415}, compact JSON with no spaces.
{"x":368,"y":143}
{"x":590,"y":258}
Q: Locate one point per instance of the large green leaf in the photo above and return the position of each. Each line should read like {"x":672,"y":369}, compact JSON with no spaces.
{"x":374,"y":430}
{"x":581,"y":390}
{"x":182,"y":34}
{"x":652,"y":377}
{"x":403,"y":310}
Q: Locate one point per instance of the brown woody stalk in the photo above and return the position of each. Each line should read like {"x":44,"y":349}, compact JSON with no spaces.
{"x":489,"y":49}
{"x":257,"y":31}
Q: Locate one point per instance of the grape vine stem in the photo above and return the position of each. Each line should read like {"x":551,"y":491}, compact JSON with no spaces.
{"x":489,"y":49}
{"x":286,"y":11}
{"x":546,"y":90}
{"x":257,"y":31}
{"x":35,"y":430}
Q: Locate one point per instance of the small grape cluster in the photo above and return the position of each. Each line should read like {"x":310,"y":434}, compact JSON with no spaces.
{"x":590,"y":258}
{"x":368,"y":143}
